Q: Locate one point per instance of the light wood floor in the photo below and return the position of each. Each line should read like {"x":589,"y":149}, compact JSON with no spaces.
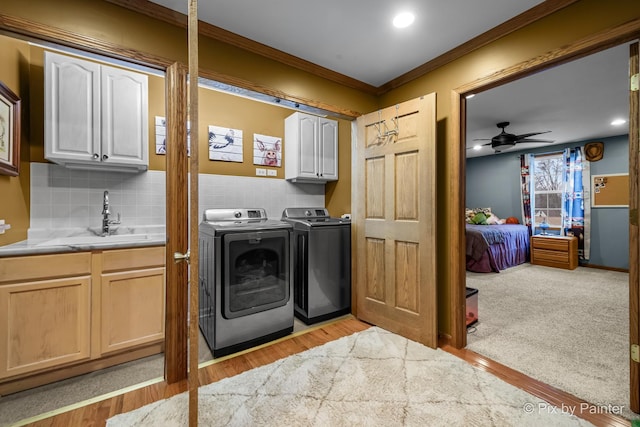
{"x":96,"y":414}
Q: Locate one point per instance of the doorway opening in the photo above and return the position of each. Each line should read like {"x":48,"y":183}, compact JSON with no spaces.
{"x":460,"y":130}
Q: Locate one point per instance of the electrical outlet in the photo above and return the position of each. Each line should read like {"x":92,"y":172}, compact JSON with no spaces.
{"x":261,"y":172}
{"x":272,"y":172}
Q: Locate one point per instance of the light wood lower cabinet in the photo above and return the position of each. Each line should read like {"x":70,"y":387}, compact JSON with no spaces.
{"x":65,"y":314}
{"x":132,"y":309}
{"x":44,"y":324}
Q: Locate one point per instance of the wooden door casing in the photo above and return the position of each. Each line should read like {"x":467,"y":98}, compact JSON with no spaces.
{"x":395,"y":220}
{"x":177,"y":308}
{"x":634,"y":229}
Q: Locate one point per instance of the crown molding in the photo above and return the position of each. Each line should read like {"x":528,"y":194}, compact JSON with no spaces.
{"x":172,"y":17}
{"x":162,"y":13}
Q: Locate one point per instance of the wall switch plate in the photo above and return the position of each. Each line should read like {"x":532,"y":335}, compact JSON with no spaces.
{"x":272,"y":172}
{"x":261,"y":172}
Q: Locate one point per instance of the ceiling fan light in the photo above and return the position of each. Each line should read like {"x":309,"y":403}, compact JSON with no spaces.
{"x":403,"y":19}
{"x":477,"y":147}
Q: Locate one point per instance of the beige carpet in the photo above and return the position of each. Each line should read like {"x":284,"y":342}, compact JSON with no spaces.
{"x":371,"y":378}
{"x":567,"y":328}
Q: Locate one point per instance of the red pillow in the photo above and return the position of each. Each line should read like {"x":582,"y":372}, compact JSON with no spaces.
{"x":512,"y":220}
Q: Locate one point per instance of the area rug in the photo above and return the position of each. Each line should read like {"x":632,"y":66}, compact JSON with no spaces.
{"x":370,"y":378}
{"x":566,"y":328}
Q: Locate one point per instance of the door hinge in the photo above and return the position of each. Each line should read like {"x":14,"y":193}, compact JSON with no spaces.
{"x":635,"y":353}
{"x":635,"y":83}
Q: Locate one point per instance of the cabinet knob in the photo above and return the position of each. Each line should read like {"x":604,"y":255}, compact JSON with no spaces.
{"x":105,"y":157}
{"x":96,"y":156}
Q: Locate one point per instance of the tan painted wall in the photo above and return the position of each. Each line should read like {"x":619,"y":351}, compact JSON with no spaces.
{"x":14,"y":190}
{"x":577,"y":21}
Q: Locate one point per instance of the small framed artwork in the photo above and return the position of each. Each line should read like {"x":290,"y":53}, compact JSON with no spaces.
{"x":225,"y":144}
{"x":267,"y":150}
{"x":9,"y":131}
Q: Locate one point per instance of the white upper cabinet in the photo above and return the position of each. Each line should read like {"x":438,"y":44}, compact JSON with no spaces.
{"x":96,"y":116}
{"x":311,"y":148}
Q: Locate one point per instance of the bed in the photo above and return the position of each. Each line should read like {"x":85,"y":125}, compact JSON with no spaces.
{"x":496,"y":247}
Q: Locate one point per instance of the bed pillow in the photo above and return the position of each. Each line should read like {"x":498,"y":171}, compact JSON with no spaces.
{"x":479,"y":218}
{"x":470,"y":213}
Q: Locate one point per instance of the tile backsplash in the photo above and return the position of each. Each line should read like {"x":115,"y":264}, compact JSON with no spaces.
{"x":70,"y":198}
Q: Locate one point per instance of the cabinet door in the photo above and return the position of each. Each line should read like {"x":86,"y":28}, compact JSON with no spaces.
{"x":308,"y":148}
{"x":132,"y":308}
{"x":328,"y":149}
{"x":72,"y":109}
{"x":44,"y":324}
{"x":125,"y":124}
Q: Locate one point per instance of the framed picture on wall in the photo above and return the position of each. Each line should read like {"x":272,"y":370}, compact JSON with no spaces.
{"x":9,"y":131}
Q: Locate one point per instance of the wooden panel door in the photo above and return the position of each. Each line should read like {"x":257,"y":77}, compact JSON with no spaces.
{"x":395,"y":219}
{"x":44,"y":324}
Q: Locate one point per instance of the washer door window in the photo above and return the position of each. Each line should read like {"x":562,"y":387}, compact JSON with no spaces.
{"x":257,"y":276}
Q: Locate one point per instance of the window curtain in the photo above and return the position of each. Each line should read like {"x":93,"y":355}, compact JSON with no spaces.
{"x":526,"y":160}
{"x":576,"y":206}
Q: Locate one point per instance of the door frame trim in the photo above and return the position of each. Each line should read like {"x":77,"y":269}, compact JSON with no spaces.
{"x":456,"y":160}
{"x":177,"y":305}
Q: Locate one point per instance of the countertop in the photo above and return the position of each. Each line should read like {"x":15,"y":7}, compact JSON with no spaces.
{"x":84,"y":239}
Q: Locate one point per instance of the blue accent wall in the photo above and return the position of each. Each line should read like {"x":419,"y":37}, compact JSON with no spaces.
{"x":494,"y":181}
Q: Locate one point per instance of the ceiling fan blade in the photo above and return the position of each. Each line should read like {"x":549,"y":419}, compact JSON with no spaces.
{"x":482,"y":139}
{"x":520,"y":141}
{"x":483,"y":145}
{"x":526,"y":135}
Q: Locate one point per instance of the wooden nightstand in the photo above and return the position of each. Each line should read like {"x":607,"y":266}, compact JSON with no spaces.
{"x":555,"y":251}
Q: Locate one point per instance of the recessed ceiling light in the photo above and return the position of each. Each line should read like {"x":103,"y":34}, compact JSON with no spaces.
{"x":403,"y":20}
{"x":477,"y":147}
{"x":618,"y":122}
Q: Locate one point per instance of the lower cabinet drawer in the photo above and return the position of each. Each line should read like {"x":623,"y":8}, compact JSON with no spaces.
{"x":553,"y":256}
{"x":551,"y":244}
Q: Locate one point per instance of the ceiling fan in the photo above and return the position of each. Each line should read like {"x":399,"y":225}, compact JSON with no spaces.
{"x":504,"y":140}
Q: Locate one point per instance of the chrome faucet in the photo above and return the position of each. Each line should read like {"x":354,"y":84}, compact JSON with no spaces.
{"x":106,"y":222}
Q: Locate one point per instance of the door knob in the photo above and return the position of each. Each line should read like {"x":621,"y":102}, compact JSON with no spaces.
{"x":177,"y":256}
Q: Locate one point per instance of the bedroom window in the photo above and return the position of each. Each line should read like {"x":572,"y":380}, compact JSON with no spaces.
{"x":547,"y":189}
